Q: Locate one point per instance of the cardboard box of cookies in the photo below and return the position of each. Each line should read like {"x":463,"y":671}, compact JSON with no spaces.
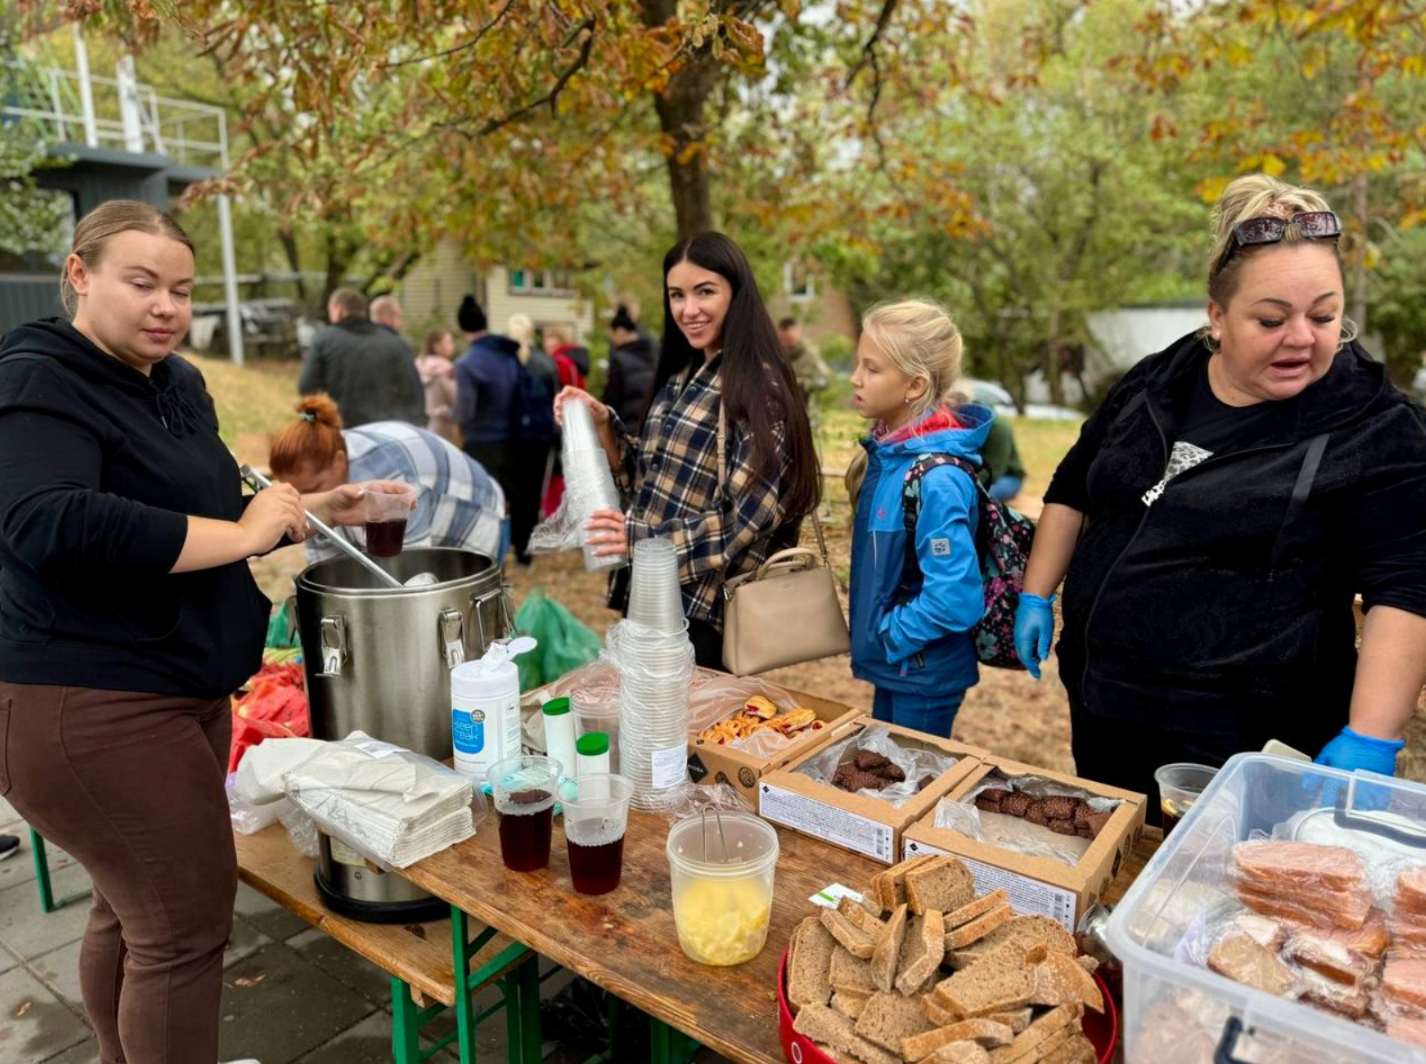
{"x":764,"y":728}
{"x":862,"y":791}
{"x":1053,"y":842}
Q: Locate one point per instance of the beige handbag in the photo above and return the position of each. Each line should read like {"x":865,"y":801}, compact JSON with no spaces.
{"x":787,"y":612}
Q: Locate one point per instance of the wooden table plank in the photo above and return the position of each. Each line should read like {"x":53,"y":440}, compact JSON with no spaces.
{"x":420,"y":954}
{"x":625,"y":941}
{"x":1146,"y":847}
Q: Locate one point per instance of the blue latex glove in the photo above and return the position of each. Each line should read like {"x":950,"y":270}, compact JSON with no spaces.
{"x":1034,"y":628}
{"x":1349,"y":751}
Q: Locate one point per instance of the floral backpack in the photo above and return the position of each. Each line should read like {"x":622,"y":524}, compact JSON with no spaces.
{"x":1002,"y":543}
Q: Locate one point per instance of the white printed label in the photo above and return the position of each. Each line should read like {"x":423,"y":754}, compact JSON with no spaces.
{"x":377,"y":748}
{"x":827,"y":822}
{"x":670,"y":766}
{"x":829,"y":896}
{"x":1028,"y":897}
{"x":344,"y":854}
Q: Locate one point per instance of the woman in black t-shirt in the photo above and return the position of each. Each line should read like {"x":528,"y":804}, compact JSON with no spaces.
{"x":1218,"y":514}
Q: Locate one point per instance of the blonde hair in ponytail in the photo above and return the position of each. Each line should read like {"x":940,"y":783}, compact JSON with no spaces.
{"x":918,"y":337}
{"x":521,"y":329}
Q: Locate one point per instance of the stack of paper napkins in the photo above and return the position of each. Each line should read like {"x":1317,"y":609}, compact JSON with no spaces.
{"x":388,"y":803}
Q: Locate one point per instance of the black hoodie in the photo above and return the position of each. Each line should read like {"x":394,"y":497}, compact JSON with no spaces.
{"x":99,"y":468}
{"x":1224,"y":606}
{"x":632,"y":368}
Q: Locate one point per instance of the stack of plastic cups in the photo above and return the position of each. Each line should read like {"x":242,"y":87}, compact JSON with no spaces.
{"x":592,"y":714}
{"x":588,"y":481}
{"x":655,"y":661}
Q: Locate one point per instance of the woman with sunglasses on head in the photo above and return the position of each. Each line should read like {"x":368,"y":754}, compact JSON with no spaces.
{"x":721,"y":377}
{"x":1219,"y":512}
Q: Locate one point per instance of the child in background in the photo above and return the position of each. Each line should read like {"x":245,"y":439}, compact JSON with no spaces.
{"x":911,"y":635}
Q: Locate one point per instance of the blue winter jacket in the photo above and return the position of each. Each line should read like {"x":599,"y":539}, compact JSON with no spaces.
{"x":487,"y":383}
{"x":923,"y":646}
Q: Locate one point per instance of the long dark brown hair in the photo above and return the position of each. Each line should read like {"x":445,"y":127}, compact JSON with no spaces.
{"x":757,"y":382}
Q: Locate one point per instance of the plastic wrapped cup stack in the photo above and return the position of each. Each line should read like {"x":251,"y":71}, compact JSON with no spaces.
{"x":589,"y":483}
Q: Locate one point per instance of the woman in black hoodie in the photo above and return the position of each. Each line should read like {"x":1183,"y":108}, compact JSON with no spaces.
{"x":1218,"y":514}
{"x":127,"y":617}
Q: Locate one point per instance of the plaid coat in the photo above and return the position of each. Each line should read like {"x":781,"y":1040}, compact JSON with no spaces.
{"x":669,"y":480}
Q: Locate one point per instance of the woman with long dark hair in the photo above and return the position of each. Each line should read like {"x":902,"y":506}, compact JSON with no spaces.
{"x":721,"y":375}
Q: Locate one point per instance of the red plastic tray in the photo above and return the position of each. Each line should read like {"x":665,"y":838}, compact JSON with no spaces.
{"x":1101,"y":1029}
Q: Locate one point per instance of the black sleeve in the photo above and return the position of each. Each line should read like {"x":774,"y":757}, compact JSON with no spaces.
{"x":1069,"y":487}
{"x":53,"y":514}
{"x":614,"y":389}
{"x":314,"y":372}
{"x":1388,"y":524}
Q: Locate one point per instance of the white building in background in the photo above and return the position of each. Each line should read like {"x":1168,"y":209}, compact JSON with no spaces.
{"x":432,"y":290}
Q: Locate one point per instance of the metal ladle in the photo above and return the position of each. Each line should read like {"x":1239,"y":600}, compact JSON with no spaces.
{"x":257,"y":482}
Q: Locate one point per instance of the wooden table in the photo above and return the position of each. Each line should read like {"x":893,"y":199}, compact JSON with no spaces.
{"x":625,"y":941}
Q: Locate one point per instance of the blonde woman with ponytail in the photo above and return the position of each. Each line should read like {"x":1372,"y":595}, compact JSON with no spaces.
{"x":1219,"y":512}
{"x":916,"y":594}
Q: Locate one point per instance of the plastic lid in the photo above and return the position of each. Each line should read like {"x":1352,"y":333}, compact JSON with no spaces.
{"x":555,"y":707}
{"x":592,"y":744}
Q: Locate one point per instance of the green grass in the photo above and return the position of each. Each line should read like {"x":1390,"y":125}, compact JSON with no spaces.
{"x":257,"y":399}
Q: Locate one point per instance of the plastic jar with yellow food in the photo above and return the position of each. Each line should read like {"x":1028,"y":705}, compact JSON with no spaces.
{"x":722,"y":868}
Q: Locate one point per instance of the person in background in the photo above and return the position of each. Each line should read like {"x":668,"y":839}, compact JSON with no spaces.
{"x":365,"y":367}
{"x":128,"y":616}
{"x":1418,"y":384}
{"x":572,"y":359}
{"x":438,"y":381}
{"x":487,"y":386}
{"x":633,"y":364}
{"x":387,"y":312}
{"x":721,"y":376}
{"x":813,"y":376}
{"x":911,"y":629}
{"x":457,"y":503}
{"x":533,"y":436}
{"x":1218,"y":514}
{"x":1002,"y":466}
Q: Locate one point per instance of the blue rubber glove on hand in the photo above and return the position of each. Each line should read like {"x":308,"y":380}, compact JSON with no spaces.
{"x":1349,"y":751}
{"x":1034,"y":628}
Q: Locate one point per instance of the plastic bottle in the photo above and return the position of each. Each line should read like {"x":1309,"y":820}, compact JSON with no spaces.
{"x":592,"y":753}
{"x":485,"y":708}
{"x":559,"y":734}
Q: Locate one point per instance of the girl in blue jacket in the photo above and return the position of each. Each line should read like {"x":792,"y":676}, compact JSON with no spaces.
{"x":911,"y":637}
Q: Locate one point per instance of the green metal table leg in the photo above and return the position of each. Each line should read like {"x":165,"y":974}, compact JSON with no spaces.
{"x":42,"y":872}
{"x":669,"y":1046}
{"x":531,"y":1040}
{"x":405,"y":1024}
{"x":465,"y":1006}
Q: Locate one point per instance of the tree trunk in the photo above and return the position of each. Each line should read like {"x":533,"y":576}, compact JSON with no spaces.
{"x":1052,"y":358}
{"x":1360,"y":207}
{"x":288,"y":239}
{"x":680,"y":110}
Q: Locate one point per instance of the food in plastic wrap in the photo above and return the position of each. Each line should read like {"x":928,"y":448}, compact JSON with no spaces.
{"x":1404,"y":982}
{"x":900,"y":773}
{"x":1263,"y":930}
{"x":1241,"y":959}
{"x":1322,"y":885}
{"x":760,"y":716}
{"x":1030,"y":815}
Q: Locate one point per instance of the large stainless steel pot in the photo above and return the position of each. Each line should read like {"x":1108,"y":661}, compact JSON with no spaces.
{"x":379,"y":659}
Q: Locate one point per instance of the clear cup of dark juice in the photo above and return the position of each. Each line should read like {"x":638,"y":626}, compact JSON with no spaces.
{"x":596,"y":817}
{"x":1179,"y":787}
{"x":524,"y":789}
{"x":386,"y":514}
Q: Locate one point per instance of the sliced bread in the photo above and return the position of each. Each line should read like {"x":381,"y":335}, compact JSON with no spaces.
{"x":809,"y":964}
{"x":888,"y":888}
{"x":887,"y":952}
{"x":849,"y":1003}
{"x":1022,"y":931}
{"x":1076,"y":1050}
{"x":987,"y":1033}
{"x":830,"y":1028}
{"x":971,"y":933}
{"x":982,"y":905}
{"x":1059,"y":980}
{"x":998,"y":984}
{"x":944,"y":883}
{"x":1041,"y":1036}
{"x":937,"y":1013}
{"x":921,"y":957}
{"x":859,"y":916}
{"x":851,"y":973}
{"x":958,"y":1053}
{"x":890,"y":1019}
{"x":1016,"y":1019}
{"x":852,"y":938}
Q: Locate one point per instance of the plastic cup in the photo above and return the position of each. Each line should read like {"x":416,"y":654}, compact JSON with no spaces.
{"x":596,"y":816}
{"x":1179,"y":787}
{"x":524,"y":789}
{"x":590,"y":716}
{"x":655,"y":598}
{"x":385,"y":512}
{"x":721,"y":870}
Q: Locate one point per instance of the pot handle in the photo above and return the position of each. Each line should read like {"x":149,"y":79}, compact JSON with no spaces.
{"x":501,"y":596}
{"x":334,"y":645}
{"x":452,"y":633}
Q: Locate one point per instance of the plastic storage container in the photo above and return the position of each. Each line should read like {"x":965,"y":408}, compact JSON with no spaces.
{"x":721,"y":870}
{"x":1177,"y":1010}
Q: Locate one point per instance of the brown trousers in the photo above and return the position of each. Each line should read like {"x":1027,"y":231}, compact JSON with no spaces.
{"x":131,"y":784}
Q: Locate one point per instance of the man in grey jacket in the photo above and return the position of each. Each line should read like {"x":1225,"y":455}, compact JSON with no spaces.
{"x":367,"y":369}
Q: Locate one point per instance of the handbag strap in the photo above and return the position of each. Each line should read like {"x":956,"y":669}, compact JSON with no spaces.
{"x":723,"y":489}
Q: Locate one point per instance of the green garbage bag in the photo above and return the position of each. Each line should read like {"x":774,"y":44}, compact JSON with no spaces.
{"x":565,"y":643}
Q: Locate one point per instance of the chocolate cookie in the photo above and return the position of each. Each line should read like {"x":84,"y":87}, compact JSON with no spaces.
{"x":1060,"y":808}
{"x":1062,"y":827}
{"x":1016,"y":804}
{"x":870,"y":760}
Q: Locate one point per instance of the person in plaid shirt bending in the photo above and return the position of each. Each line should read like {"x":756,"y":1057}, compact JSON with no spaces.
{"x":720,"y":361}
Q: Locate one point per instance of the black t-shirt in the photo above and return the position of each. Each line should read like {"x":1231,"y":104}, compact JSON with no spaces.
{"x":1210,"y":426}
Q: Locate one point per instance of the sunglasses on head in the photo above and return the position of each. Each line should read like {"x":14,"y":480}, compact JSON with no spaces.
{"x":1270,"y":229}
